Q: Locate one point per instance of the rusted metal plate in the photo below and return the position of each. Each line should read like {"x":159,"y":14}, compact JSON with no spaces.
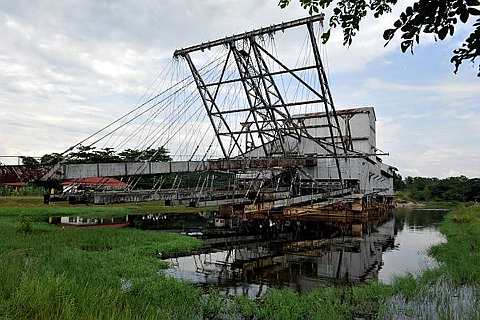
{"x":228,"y":210}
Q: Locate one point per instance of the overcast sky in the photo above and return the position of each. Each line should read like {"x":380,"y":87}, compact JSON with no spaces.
{"x":69,"y":67}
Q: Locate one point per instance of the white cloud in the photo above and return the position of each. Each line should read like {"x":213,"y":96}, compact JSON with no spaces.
{"x":437,"y":134}
{"x":453,"y":89}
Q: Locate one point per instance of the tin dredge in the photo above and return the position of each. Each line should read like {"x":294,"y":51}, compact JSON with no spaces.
{"x":275,"y":163}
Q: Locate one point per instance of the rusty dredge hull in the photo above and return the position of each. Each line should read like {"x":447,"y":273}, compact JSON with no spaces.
{"x":352,"y":215}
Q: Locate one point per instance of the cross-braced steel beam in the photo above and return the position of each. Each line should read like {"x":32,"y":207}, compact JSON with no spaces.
{"x":209,"y":102}
{"x":267,"y":123}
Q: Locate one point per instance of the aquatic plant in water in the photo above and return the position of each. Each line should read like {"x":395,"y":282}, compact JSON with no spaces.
{"x":442,"y":300}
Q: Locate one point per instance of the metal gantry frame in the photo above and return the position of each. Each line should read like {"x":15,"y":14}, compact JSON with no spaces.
{"x":268,"y":116}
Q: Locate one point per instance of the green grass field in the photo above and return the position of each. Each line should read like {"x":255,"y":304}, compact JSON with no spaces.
{"x":75,"y":273}
{"x":47,"y":272}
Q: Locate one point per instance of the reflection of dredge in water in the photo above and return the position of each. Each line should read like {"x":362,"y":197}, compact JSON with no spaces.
{"x":301,"y":265}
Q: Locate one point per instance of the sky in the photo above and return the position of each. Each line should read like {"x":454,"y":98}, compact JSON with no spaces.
{"x":70,"y":67}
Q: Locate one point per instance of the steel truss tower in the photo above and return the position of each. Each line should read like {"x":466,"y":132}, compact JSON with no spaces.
{"x":268,"y":117}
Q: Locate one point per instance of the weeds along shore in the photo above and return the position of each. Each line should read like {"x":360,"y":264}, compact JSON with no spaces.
{"x":47,"y":272}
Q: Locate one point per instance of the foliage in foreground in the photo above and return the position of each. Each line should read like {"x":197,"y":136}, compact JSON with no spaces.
{"x":72,"y":273}
{"x":440,"y":300}
{"x":424,"y":17}
{"x":53,"y":273}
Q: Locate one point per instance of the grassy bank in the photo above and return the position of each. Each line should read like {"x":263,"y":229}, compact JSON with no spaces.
{"x":460,"y":257}
{"x":72,"y":273}
{"x":32,"y":205}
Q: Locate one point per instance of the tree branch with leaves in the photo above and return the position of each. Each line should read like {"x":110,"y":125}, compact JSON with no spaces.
{"x":436,"y":17}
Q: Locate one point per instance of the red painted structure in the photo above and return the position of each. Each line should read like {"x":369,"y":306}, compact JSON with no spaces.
{"x":19,"y":175}
{"x":110,"y":183}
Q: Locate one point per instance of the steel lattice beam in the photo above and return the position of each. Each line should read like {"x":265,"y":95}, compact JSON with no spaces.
{"x":255,"y":33}
{"x":209,"y":101}
{"x":268,"y":122}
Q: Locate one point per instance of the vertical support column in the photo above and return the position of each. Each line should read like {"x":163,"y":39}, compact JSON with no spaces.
{"x":271,"y":111}
{"x":326,"y":91}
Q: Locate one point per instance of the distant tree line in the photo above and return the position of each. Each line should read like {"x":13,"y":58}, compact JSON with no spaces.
{"x":85,"y":154}
{"x":430,"y":189}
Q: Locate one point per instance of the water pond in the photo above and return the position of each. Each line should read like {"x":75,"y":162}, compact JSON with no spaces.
{"x":393,"y":248}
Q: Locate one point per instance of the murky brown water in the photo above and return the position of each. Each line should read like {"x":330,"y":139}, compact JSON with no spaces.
{"x":393,"y":248}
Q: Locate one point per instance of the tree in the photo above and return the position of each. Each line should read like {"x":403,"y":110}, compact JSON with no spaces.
{"x":29,"y":161}
{"x":155,"y":155}
{"x":50,"y":159}
{"x":130,"y":155}
{"x":449,"y":189}
{"x":436,"y":17}
{"x":86,"y":154}
{"x":398,"y":183}
{"x":473,"y":192}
